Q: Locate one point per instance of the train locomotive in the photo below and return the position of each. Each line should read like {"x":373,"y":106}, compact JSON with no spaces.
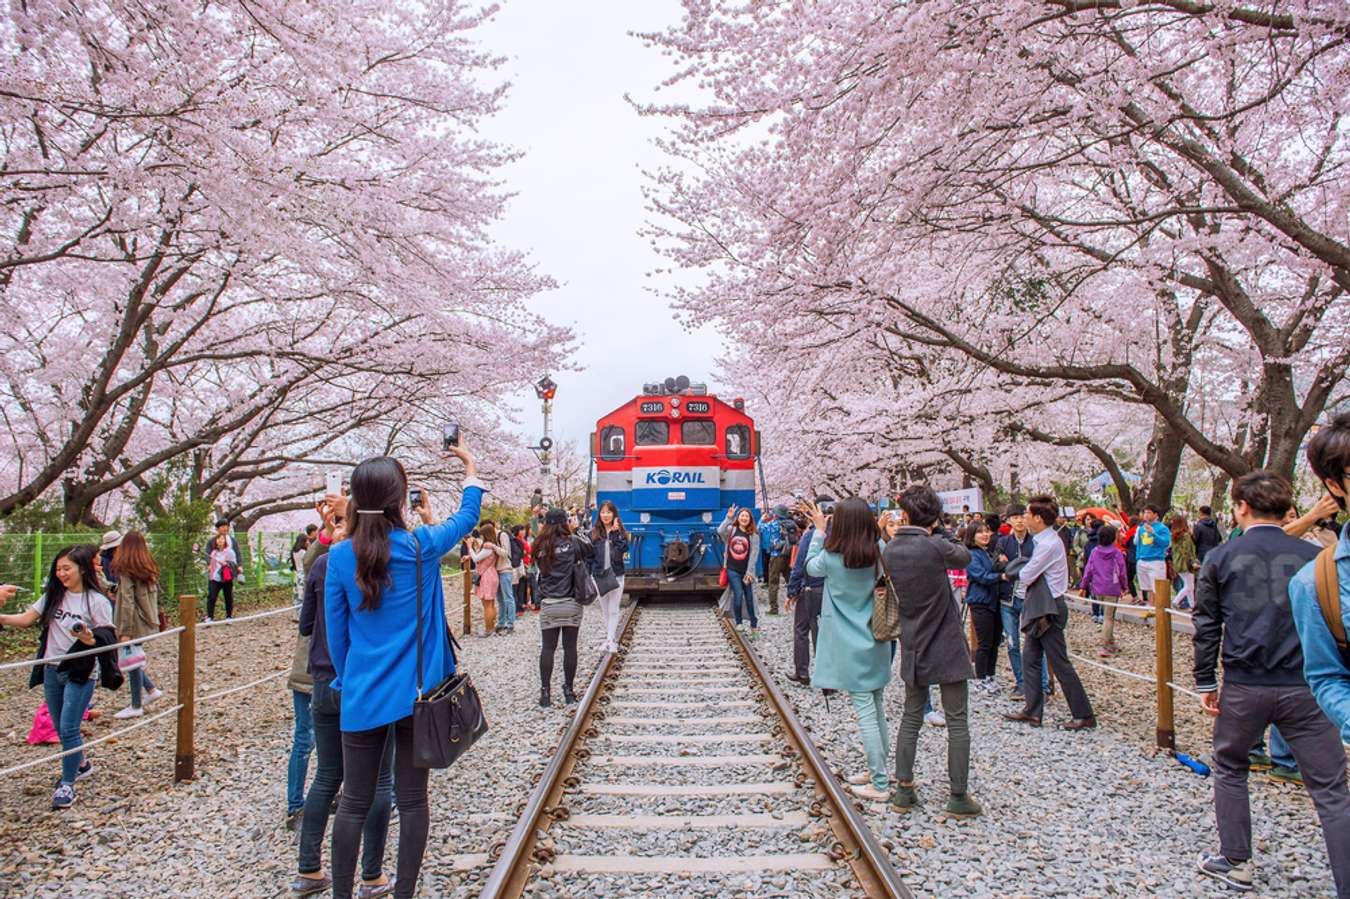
{"x":673,"y":460}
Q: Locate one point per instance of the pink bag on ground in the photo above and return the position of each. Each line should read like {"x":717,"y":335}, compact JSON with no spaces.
{"x":43,"y":730}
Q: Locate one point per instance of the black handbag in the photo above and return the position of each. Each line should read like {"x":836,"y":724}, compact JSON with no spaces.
{"x":607,"y":581}
{"x":449,"y":719}
{"x":583,"y":584}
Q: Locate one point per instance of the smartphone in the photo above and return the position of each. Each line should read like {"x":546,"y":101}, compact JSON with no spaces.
{"x":332,"y":483}
{"x":414,"y":498}
{"x":450,"y":436}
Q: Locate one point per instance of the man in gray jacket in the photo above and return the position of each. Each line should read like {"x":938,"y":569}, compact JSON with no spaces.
{"x":933,"y":648}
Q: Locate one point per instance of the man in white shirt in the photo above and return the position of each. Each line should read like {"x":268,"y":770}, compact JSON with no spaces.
{"x":1044,"y":616}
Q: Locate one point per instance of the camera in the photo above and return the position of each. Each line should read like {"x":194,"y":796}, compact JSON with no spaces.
{"x":415,"y":498}
{"x":450,"y":437}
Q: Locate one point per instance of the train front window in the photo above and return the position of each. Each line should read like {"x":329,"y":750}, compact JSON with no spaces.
{"x":651,"y":433}
{"x":698,"y":433}
{"x":738,"y":442}
{"x":612,"y":442}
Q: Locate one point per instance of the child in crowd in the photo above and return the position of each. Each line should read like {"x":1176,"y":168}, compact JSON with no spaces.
{"x":1105,"y":580}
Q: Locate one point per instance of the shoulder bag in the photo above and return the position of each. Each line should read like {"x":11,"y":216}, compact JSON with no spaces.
{"x":885,"y":608}
{"x":583,"y":584}
{"x":607,"y":581}
{"x":449,"y":719}
{"x":1329,"y":598}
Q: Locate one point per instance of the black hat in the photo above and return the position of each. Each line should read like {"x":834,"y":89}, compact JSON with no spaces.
{"x":555,"y":517}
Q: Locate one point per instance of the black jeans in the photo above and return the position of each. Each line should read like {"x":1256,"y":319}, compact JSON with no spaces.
{"x":362,"y":751}
{"x":325,"y":706}
{"x":988,"y":628}
{"x":569,"y":642}
{"x":1051,"y":646}
{"x":805,"y":627}
{"x":1244,"y":713}
{"x":212,"y":590}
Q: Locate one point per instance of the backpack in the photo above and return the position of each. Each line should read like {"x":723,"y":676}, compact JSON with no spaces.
{"x":1329,"y":598}
{"x":517,"y":552}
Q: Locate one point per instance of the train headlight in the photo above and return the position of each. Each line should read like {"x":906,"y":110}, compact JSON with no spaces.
{"x":674,"y":413}
{"x":674,"y":402}
{"x":707,"y":518}
{"x":645,"y":518}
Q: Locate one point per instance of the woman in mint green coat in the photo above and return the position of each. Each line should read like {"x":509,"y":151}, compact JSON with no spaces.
{"x":847,"y":658}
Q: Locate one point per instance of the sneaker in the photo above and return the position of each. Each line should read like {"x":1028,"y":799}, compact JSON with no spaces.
{"x":935,"y":719}
{"x":86,"y":770}
{"x":1237,"y":875}
{"x":963,"y":805}
{"x":129,"y":712}
{"x":754,"y":633}
{"x":64,"y":797}
{"x":1285,"y":775}
{"x":1257,"y":760}
{"x":904,"y":799}
{"x":859,"y":779}
{"x":293,"y":819}
{"x":151,"y":696}
{"x":869,"y":792}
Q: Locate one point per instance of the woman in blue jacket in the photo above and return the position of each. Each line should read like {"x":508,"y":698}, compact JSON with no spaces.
{"x":982,"y":597}
{"x":370,"y":605}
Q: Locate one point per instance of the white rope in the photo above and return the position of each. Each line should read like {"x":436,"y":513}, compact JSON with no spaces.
{"x":90,"y":652}
{"x":1082,"y":602}
{"x":221,"y":694}
{"x":1180,"y":614}
{"x":1120,"y":671}
{"x":218,"y":622}
{"x":1181,"y":689}
{"x":103,"y":739}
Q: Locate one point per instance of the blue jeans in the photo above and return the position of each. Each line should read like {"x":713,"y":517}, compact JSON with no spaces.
{"x":138,"y":681}
{"x":1280,"y":753}
{"x":876,"y":740}
{"x":66,"y":703}
{"x":328,"y":776}
{"x":1012,"y":627}
{"x":301,"y":745}
{"x":741,"y":592}
{"x":506,"y":600}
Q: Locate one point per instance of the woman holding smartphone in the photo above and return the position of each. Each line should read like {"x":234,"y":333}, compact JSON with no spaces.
{"x":741,"y":540}
{"x":74,"y":616}
{"x":376,"y":617}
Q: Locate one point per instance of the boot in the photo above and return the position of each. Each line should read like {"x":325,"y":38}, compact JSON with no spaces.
{"x":544,"y":700}
{"x":963,"y":805}
{"x":569,"y":697}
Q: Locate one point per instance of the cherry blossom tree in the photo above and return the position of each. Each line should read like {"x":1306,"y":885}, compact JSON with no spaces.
{"x":1141,"y":202}
{"x":248,"y":234}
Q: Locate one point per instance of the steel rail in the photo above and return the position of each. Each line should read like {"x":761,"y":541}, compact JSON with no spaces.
{"x":864,"y":855}
{"x":511,"y":872}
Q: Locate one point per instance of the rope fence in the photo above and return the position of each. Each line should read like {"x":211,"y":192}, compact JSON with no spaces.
{"x":32,"y":663}
{"x":57,"y":756}
{"x":224,"y":622}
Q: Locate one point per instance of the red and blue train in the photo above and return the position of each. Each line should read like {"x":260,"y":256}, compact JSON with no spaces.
{"x":673,"y":460}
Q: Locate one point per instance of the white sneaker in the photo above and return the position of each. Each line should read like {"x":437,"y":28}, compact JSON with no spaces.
{"x":870,"y":793}
{"x":152,"y":696}
{"x":860,"y":779}
{"x":935,"y":719}
{"x":129,"y":712}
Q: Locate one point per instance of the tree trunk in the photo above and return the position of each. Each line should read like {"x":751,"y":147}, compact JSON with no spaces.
{"x":1165,"y":450}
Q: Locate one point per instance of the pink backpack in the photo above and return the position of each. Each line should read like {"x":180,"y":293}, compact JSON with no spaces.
{"x":43,"y":730}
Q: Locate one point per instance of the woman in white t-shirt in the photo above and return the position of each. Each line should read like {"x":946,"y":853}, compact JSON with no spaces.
{"x":70,"y":610}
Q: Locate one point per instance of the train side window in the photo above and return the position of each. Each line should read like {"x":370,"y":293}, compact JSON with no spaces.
{"x":651,"y":433}
{"x":612,"y":442}
{"x":698,"y":433}
{"x":738,"y":442}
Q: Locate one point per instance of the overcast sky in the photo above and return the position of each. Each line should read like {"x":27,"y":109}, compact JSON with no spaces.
{"x":579,"y":202}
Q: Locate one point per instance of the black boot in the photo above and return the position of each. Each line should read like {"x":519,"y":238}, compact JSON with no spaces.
{"x":544,"y":700}
{"x":569,"y":697}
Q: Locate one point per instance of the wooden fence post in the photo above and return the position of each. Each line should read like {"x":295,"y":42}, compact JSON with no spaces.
{"x":1162,"y":630}
{"x":467,"y":578}
{"x":184,"y":753}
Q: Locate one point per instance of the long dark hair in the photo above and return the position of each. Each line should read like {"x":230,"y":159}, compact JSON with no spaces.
{"x":379,"y":485}
{"x":853,"y":534}
{"x":82,"y":557}
{"x":544,"y":546}
{"x":598,"y":532}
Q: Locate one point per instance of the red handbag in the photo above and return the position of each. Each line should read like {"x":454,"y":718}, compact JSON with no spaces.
{"x":722,"y":577}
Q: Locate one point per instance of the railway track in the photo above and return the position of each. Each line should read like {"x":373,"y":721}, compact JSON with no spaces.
{"x":685,"y":770}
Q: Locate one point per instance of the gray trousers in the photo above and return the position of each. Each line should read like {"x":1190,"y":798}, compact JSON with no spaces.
{"x":954,"y":697}
{"x":805,"y":627}
{"x":1244,"y":713}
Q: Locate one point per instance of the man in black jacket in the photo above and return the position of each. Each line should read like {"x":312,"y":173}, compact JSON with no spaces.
{"x":1205,"y":533}
{"x":1242,"y":611}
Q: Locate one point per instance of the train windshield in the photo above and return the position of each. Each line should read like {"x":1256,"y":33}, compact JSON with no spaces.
{"x":738,"y":442}
{"x":651,"y":433}
{"x":698,"y":433}
{"x":611,"y":442}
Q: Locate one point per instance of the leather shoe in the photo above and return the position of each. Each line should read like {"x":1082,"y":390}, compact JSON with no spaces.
{"x":1023,"y":717}
{"x":1079,"y":724}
